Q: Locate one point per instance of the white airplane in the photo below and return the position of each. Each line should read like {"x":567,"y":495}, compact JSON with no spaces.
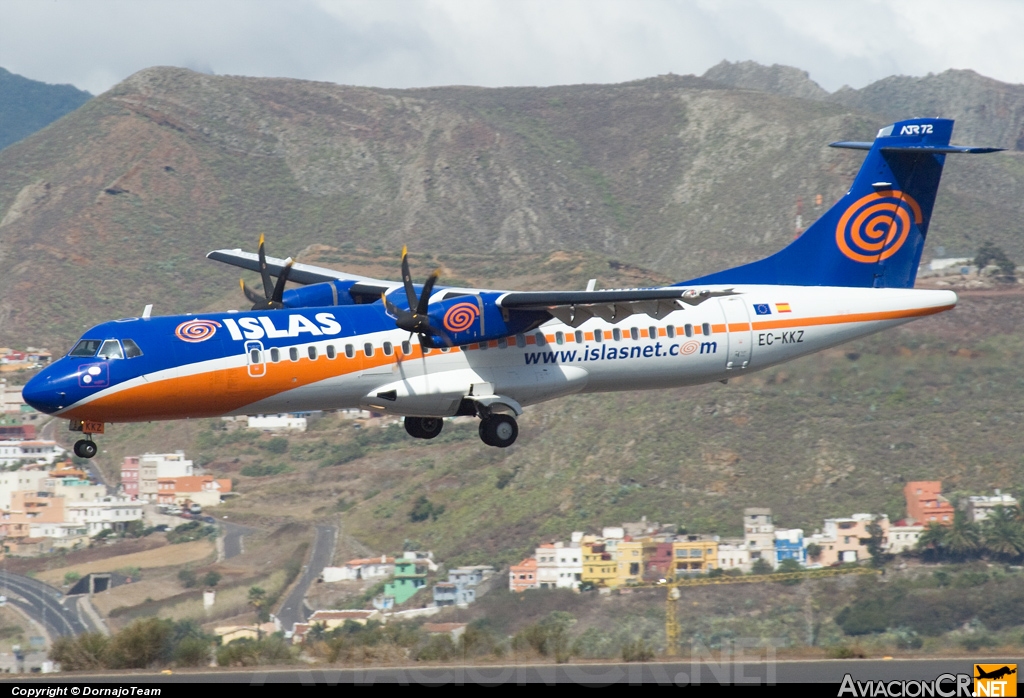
{"x":426,"y":352}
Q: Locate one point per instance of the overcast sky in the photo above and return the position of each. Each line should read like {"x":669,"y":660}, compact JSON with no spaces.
{"x":93,"y":44}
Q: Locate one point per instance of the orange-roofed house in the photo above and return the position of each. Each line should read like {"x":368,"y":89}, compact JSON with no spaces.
{"x":204,"y":490}
{"x":523,"y":576}
{"x":925,"y":503}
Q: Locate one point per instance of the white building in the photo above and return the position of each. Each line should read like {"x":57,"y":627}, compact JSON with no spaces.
{"x":16,"y":480}
{"x":73,"y":489}
{"x":362,"y":568}
{"x":64,"y":535}
{"x":733,"y":555}
{"x":903,"y":538}
{"x":559,"y":566}
{"x":277,"y":422}
{"x":153,"y":466}
{"x":100,"y":514}
{"x":35,"y":451}
{"x":759,"y":534}
{"x":979,"y":508}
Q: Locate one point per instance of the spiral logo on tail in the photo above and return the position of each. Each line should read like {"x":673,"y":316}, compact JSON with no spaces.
{"x":196,"y":330}
{"x":460,"y":317}
{"x":875,"y":226}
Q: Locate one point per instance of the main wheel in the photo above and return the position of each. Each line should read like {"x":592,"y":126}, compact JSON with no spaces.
{"x":499,"y":430}
{"x":423,"y":427}
{"x":85,"y":448}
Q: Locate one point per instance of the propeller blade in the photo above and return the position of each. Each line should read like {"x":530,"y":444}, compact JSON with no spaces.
{"x":440,"y":333}
{"x":421,"y":307}
{"x":410,"y":292}
{"x":268,"y":286}
{"x":259,"y":302}
{"x":281,"y":281}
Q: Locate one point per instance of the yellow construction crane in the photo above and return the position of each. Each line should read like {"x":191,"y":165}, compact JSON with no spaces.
{"x":672,"y":624}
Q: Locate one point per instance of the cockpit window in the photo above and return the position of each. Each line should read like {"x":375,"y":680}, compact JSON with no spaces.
{"x":111,"y":349}
{"x":131,"y":349}
{"x":86,"y":347}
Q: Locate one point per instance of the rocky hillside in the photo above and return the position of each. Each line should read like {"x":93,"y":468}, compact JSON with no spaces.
{"x":115,"y":205}
{"x":28,"y":105}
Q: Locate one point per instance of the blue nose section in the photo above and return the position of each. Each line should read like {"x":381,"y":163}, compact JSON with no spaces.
{"x":43,"y":392}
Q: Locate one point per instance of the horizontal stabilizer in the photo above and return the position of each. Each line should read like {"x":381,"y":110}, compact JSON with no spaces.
{"x":939,"y":149}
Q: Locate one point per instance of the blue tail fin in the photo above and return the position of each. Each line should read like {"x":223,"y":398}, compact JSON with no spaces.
{"x":875,"y":234}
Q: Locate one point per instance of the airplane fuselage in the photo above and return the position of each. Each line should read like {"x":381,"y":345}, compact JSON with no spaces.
{"x":339,"y":357}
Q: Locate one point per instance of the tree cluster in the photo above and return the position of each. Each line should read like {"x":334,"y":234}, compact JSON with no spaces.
{"x":999,"y":537}
{"x":145,"y":643}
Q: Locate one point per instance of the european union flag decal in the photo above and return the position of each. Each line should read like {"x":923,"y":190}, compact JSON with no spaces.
{"x":762,"y":309}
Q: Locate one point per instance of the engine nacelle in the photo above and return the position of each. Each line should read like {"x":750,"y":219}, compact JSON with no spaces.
{"x":319,"y":295}
{"x":476,"y":318}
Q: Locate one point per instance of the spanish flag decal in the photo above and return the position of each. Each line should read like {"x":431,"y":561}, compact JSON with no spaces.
{"x":783,"y":308}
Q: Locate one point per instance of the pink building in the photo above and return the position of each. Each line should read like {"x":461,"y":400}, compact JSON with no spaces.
{"x":130,"y":476}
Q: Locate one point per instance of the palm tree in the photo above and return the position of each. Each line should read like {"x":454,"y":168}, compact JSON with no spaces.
{"x":932,"y":542}
{"x":258,"y":599}
{"x":964,"y":537}
{"x":1004,"y":535}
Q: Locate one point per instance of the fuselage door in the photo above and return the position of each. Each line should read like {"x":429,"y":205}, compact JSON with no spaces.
{"x":255,"y":359}
{"x":739,"y":331}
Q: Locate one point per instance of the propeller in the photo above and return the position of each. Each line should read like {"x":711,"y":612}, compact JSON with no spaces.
{"x":272,"y":293}
{"x":416,"y":320}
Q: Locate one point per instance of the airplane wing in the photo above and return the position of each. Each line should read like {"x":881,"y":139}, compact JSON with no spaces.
{"x":306,"y":274}
{"x":613,"y":305}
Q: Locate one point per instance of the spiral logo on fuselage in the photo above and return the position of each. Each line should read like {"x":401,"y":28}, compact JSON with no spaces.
{"x":460,"y":317}
{"x":688,"y":348}
{"x":875,"y":226}
{"x":196,"y":330}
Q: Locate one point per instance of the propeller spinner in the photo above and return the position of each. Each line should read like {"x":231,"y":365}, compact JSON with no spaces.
{"x":416,"y":320}
{"x":272,"y":293}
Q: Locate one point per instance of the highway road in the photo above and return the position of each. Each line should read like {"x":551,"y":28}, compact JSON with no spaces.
{"x":685,"y":673}
{"x":46,"y":605}
{"x":293,"y":610}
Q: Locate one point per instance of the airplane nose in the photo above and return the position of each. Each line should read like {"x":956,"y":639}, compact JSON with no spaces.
{"x":42,"y":393}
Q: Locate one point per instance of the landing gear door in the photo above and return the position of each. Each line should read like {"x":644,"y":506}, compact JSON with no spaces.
{"x":740,"y":333}
{"x":255,"y":359}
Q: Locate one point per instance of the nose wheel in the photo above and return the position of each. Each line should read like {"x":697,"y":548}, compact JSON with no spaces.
{"x":85,"y":448}
{"x":499,"y":430}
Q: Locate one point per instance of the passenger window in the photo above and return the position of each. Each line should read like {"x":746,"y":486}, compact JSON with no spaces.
{"x":540,"y":339}
{"x":111,"y":349}
{"x":131,"y":349}
{"x":670,"y":331}
{"x":598,"y":336}
{"x":86,"y":347}
{"x":617,"y":334}
{"x":520,"y":341}
{"x":388,"y":349}
{"x":634,"y":333}
{"x":652,"y":332}
{"x":559,"y":338}
{"x":368,"y":349}
{"x":293,"y":353}
{"x":312,"y":353}
{"x":331,"y":352}
{"x":350,"y":351}
{"x":688,"y":328}
{"x":275,"y":355}
{"x":254,"y":356}
{"x":579,"y":336}
{"x":706,"y":327}
{"x":445,"y":350}
{"x":406,"y":347}
{"x":503,"y":343}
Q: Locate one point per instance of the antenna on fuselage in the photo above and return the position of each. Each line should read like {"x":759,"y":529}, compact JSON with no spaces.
{"x":147,"y":311}
{"x":592,"y":284}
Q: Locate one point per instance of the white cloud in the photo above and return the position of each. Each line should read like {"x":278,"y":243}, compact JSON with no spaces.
{"x":416,"y":43}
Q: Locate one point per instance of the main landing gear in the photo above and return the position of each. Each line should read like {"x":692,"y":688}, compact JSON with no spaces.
{"x":499,"y":430}
{"x":423,"y":427}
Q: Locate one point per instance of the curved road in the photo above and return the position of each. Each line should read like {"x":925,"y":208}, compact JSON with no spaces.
{"x":233,"y":538}
{"x":44,"y":604}
{"x":293,"y":610}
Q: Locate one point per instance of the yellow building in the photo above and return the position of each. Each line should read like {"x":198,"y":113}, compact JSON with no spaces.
{"x":598,"y":566}
{"x":629,"y":563}
{"x":694,"y":553}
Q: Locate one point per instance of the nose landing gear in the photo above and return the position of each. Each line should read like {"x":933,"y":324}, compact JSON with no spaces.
{"x":85,"y":448}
